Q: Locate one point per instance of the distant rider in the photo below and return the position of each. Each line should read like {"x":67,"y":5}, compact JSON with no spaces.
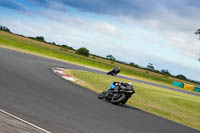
{"x":117,"y":70}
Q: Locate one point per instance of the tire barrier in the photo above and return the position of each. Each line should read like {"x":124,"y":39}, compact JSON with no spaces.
{"x":197,"y":89}
{"x":178,"y":84}
{"x":186,"y":86}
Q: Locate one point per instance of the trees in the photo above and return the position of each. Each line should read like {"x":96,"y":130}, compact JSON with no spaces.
{"x":181,"y":76}
{"x":150,"y":67}
{"x":83,"y":51}
{"x":165,"y":71}
{"x":4,"y":28}
{"x":133,"y":64}
{"x":66,"y":47}
{"x":110,"y":57}
{"x":40,"y":38}
{"x":197,"y":32}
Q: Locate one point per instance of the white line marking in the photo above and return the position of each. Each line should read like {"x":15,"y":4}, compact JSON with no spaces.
{"x":58,"y":71}
{"x":28,"y":123}
{"x":68,"y":78}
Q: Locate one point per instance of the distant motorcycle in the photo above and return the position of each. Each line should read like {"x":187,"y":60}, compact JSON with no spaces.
{"x":114,"y":71}
{"x":119,"y":95}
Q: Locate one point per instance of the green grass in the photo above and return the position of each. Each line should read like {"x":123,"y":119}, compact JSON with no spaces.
{"x":176,"y":106}
{"x":29,"y":45}
{"x":147,"y":75}
{"x":43,"y":49}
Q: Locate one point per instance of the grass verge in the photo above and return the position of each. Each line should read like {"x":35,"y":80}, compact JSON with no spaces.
{"x":176,"y":106}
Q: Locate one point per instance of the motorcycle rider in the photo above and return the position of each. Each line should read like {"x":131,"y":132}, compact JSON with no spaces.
{"x":115,"y":86}
{"x":118,"y":92}
{"x":117,"y":70}
{"x":114,"y":71}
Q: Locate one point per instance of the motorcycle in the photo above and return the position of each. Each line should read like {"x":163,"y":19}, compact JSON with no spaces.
{"x":117,"y":96}
{"x":114,"y":71}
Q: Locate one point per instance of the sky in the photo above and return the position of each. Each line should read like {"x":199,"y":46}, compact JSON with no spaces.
{"x":160,"y":32}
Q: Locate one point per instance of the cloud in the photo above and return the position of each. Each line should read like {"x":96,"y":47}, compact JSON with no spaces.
{"x":134,"y":8}
{"x":53,"y":4}
{"x":176,"y":20}
{"x":85,"y":25}
{"x":176,"y":29}
{"x":57,"y":5}
{"x":167,"y":17}
{"x":137,"y":8}
{"x":11,"y":4}
{"x":108,"y":29}
{"x":187,"y":45}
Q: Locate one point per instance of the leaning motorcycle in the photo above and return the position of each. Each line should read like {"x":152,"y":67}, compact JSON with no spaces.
{"x":120,"y":96}
{"x":114,"y":71}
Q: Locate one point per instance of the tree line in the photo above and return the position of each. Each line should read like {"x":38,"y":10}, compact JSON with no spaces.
{"x":4,"y":28}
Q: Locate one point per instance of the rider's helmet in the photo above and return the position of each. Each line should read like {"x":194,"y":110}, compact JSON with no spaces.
{"x":130,"y":83}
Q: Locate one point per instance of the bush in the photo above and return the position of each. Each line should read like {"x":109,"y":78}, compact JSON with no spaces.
{"x":110,"y":57}
{"x":180,"y":76}
{"x":40,"y":38}
{"x":83,"y":51}
{"x":165,"y":71}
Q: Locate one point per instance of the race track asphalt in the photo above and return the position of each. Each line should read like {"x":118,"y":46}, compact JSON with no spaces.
{"x":30,"y":90}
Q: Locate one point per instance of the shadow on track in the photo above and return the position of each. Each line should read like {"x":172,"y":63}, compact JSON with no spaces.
{"x":122,"y":106}
{"x":130,"y":107}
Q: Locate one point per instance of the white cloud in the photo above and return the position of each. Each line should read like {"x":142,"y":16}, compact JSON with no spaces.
{"x":20,"y":27}
{"x":108,"y":29}
{"x":187,"y":44}
{"x":191,"y":66}
{"x":85,"y":25}
{"x":177,"y":30}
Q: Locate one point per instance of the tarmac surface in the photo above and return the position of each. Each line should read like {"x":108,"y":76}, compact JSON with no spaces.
{"x":31,"y":91}
{"x":9,"y":124}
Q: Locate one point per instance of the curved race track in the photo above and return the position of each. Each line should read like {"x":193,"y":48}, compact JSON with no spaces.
{"x":31,"y":91}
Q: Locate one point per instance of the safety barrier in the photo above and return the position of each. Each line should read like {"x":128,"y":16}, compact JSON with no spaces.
{"x":178,"y":84}
{"x":197,"y":88}
{"x":186,"y":86}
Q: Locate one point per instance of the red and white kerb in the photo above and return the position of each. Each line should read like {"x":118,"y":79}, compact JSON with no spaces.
{"x":60,"y":72}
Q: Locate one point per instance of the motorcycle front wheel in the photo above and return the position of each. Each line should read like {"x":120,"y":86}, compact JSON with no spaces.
{"x":101,"y":95}
{"x":118,"y":99}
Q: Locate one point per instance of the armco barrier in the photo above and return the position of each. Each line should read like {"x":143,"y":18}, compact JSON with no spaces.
{"x":197,"y":88}
{"x":188,"y":87}
{"x":178,"y":84}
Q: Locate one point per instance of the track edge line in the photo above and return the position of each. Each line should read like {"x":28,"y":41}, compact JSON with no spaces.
{"x":26,"y":122}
